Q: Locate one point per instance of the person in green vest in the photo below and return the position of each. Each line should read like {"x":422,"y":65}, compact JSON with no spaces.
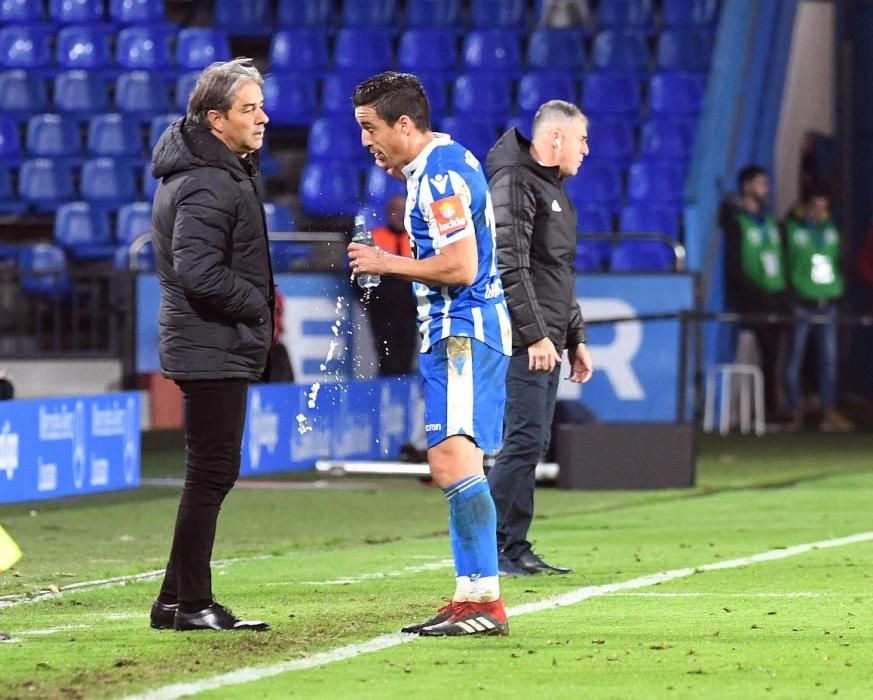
{"x":755,"y":277}
{"x":812,"y":244}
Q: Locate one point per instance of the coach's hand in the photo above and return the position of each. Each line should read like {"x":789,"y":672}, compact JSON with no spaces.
{"x":542,"y":356}
{"x":581,"y":368}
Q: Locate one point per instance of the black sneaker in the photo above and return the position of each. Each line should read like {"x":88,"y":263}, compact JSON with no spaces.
{"x":163,"y":615}
{"x":218,"y":618}
{"x":443,"y":614}
{"x":534,"y":564}
{"x":507,"y":567}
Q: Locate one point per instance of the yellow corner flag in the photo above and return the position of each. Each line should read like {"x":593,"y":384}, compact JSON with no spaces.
{"x":9,"y":551}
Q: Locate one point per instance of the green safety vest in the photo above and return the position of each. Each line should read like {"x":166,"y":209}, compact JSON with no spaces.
{"x":813,"y":259}
{"x":761,"y":252}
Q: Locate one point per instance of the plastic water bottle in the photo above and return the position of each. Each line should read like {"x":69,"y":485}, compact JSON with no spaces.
{"x":362,"y":235}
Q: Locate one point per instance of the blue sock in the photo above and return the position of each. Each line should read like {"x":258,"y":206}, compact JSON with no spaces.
{"x":472,"y":527}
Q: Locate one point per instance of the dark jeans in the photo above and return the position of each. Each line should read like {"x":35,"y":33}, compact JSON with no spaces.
{"x":527,"y":430}
{"x":215,"y":411}
{"x":826,"y":338}
{"x":773,"y":344}
{"x":391,"y":310}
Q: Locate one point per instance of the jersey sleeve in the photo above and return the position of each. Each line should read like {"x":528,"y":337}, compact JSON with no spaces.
{"x":445,"y":202}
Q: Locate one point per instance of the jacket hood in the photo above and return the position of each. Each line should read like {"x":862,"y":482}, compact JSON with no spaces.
{"x":513,"y":149}
{"x":185,"y":146}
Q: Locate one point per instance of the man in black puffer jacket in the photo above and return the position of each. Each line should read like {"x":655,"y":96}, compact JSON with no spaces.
{"x":536,"y":252}
{"x":216,"y":319}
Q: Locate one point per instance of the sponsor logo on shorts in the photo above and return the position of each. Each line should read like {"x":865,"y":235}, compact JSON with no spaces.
{"x":431,"y":427}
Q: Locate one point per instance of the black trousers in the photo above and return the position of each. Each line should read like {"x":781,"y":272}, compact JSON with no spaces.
{"x":527,"y":430}
{"x":215,"y":412}
{"x":391,"y":310}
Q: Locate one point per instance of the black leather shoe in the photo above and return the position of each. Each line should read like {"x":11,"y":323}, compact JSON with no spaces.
{"x":163,"y":615}
{"x":530,"y":562}
{"x":507,"y":567}
{"x":215,"y":617}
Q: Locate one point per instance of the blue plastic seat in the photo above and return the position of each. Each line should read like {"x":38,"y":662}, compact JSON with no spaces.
{"x":336,"y":92}
{"x":643,"y":217}
{"x":113,"y":135}
{"x":143,"y":48}
{"x":76,"y":11}
{"x":434,"y":86}
{"x":142,"y":95}
{"x":184,"y":87}
{"x":83,"y":231}
{"x":197,"y":47}
{"x":336,"y":137}
{"x":9,"y":203}
{"x":667,"y":139}
{"x":299,"y":50}
{"x":143,"y":260}
{"x":149,"y":183}
{"x":623,"y":50}
{"x":521,"y":122}
{"x":360,"y":49}
{"x":81,"y":46}
{"x":379,"y":187}
{"x":536,"y":88}
{"x":683,"y":50}
{"x":689,"y":13}
{"x":428,"y":50}
{"x":22,"y":95}
{"x":138,"y":12}
{"x":498,"y":13}
{"x":107,"y":183}
{"x":45,"y":183}
{"x":556,"y":50}
{"x":625,"y":13}
{"x":330,"y":188}
{"x":679,"y":94}
{"x":588,"y":257}
{"x":614,"y":140}
{"x":269,"y":166}
{"x":43,"y":271}
{"x":80,"y":94}
{"x":657,"y":182}
{"x":597,"y":182}
{"x":10,"y":141}
{"x":289,"y":99}
{"x":493,"y":50}
{"x":21,"y":12}
{"x":158,"y":125}
{"x":249,"y":18}
{"x":424,"y":14}
{"x":593,"y":218}
{"x":373,"y":13}
{"x":305,"y":13}
{"x":482,"y":95}
{"x":476,"y":135}
{"x":134,"y":219}
{"x":53,"y":136}
{"x":613,"y":93}
{"x":279,"y":218}
{"x":642,"y":256}
{"x":24,"y":46}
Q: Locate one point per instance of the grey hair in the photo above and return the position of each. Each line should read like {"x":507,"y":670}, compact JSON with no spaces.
{"x":217,"y":86}
{"x":556,"y":110}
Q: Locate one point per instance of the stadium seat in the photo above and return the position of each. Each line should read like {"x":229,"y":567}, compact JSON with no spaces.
{"x":425,"y":14}
{"x":598,"y":182}
{"x":373,"y":13}
{"x":158,"y":125}
{"x":667,"y":139}
{"x":330,"y":188}
{"x":197,"y":47}
{"x":53,"y":136}
{"x":137,"y":12}
{"x":588,"y":257}
{"x":184,"y":87}
{"x":45,"y":183}
{"x":614,"y":140}
{"x":336,"y":137}
{"x":363,"y":50}
{"x":107,"y":183}
{"x":22,"y":95}
{"x":623,"y":50}
{"x":10,"y":141}
{"x":683,"y":50}
{"x":279,"y":218}
{"x":141,"y":95}
{"x":689,"y":13}
{"x":435,"y":88}
{"x":484,"y":96}
{"x":649,"y":218}
{"x":538,"y":87}
{"x":593,"y":218}
{"x":492,"y":50}
{"x":676,"y":93}
{"x":299,"y":50}
{"x":521,"y":122}
{"x":143,"y":48}
{"x":476,"y":135}
{"x":76,"y":11}
{"x":304,"y":13}
{"x":336,"y":92}
{"x":613,"y":93}
{"x":625,"y":14}
{"x":656,"y":182}
{"x":642,"y":256}
{"x":149,"y":183}
{"x":143,"y":261}
{"x":81,"y":46}
{"x":556,"y":49}
{"x":21,"y":12}
{"x":134,"y":219}
{"x":80,"y":94}
{"x":487,"y":14}
{"x":268,"y":165}
{"x":428,"y":50}
{"x":9,"y":203}
{"x":114,"y":136}
{"x":379,"y":187}
{"x":24,"y":46}
{"x":83,"y":232}
{"x":289,"y":99}
{"x":249,"y":18}
{"x":43,"y":271}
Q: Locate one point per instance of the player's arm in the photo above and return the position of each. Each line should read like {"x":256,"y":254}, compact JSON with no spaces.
{"x":454,"y":265}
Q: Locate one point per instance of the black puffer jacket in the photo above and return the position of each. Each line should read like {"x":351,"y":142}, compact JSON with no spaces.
{"x":212,"y":256}
{"x":536,"y":245}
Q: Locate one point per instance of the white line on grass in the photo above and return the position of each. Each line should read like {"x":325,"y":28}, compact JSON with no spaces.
{"x":712,"y":594}
{"x":255,"y":673}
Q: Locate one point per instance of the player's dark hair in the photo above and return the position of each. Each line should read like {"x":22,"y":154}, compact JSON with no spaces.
{"x":749,"y":173}
{"x":394,"y":94}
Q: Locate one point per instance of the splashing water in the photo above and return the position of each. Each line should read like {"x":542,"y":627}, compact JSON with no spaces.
{"x":302,"y":426}
{"x":313,"y":395}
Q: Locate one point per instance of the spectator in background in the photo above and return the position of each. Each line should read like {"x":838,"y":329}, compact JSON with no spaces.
{"x":812,"y":244}
{"x":536,"y":247}
{"x":391,"y":306}
{"x":755,"y":276}
{"x":216,"y":319}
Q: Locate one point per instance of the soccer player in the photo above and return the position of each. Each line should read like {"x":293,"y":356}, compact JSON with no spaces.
{"x":466,"y":336}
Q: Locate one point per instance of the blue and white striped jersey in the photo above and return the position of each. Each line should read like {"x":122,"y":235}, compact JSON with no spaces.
{"x":447,"y":200}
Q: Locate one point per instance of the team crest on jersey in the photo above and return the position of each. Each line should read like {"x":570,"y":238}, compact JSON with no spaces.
{"x":449,"y":214}
{"x":440,"y":182}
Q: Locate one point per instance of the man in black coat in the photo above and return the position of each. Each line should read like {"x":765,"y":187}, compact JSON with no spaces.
{"x":216,"y":318}
{"x":536,"y":252}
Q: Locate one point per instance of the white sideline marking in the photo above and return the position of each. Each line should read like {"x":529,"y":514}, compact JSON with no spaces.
{"x":255,"y":673}
{"x":442,"y":564}
{"x":711,"y":594}
{"x":52,"y":630}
